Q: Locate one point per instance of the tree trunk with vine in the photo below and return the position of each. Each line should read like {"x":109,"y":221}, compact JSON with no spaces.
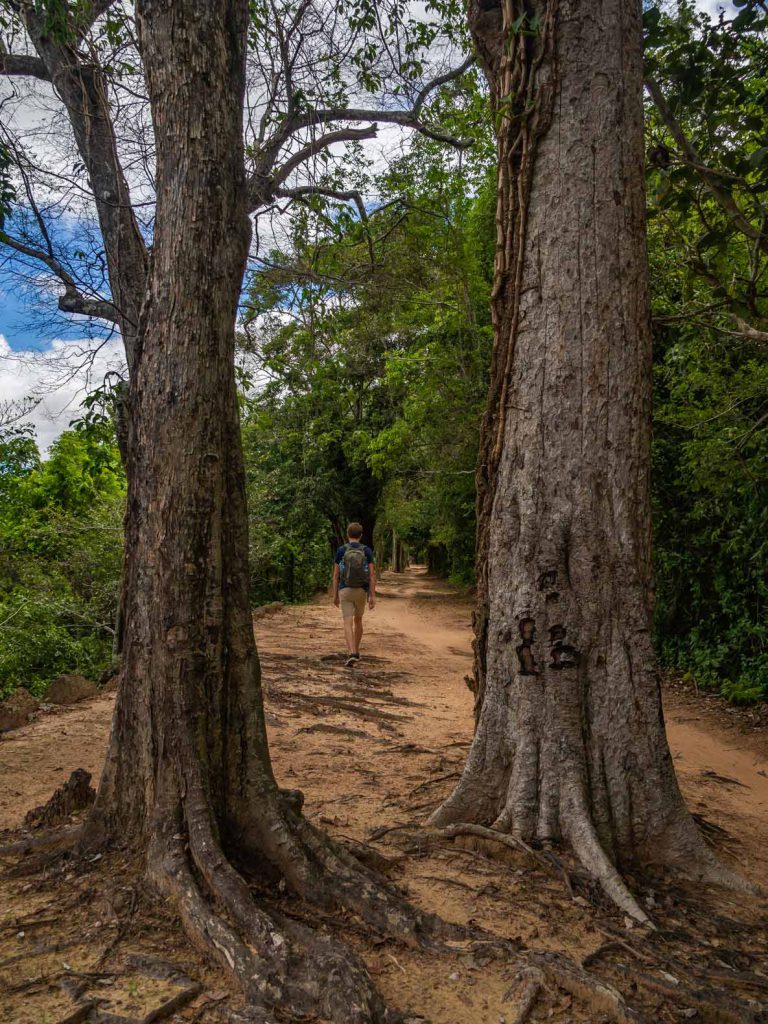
{"x":188,"y":785}
{"x":570,"y":741}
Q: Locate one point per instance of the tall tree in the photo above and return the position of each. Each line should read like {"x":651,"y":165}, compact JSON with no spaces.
{"x":570,"y":740}
{"x":319,"y":79}
{"x":188,"y":784}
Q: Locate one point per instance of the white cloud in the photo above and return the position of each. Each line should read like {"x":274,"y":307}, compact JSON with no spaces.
{"x":714,"y":7}
{"x":57,"y":379}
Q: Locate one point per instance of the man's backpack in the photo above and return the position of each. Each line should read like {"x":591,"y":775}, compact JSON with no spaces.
{"x":354,"y":568}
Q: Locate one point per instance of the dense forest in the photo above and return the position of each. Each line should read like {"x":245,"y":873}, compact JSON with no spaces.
{"x":365,"y":351}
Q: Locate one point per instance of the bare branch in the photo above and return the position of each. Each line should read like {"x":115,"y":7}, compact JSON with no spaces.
{"x":752,"y":333}
{"x":82,"y":88}
{"x":89,"y":17}
{"x":349,"y":196}
{"x":317,"y":146}
{"x":13,"y":410}
{"x":72,"y":301}
{"x":303,"y":191}
{"x":406,"y":118}
{"x":411,"y":118}
{"x":441,"y":80}
{"x":21,"y":65}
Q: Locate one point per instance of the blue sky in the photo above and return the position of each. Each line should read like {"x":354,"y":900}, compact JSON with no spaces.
{"x":23,"y":330}
{"x":14,"y":318}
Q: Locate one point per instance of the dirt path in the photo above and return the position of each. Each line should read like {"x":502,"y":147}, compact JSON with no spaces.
{"x":380,"y":745}
{"x":421,"y":631}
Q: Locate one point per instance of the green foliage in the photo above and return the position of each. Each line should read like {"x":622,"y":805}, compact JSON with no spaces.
{"x":7,"y":188}
{"x":708,"y":279}
{"x":708,"y":201}
{"x":371,"y":337}
{"x":60,"y":555}
{"x":711,"y":510}
{"x":374,"y":338}
{"x":403,"y":299}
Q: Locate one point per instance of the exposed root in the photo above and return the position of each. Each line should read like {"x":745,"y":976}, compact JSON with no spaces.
{"x":58,"y":839}
{"x":551,"y":864}
{"x":369,"y":856}
{"x":532,"y":981}
{"x":350,"y":885}
{"x":609,"y":947}
{"x":279,"y":961}
{"x":713,"y":1006}
{"x":598,"y":864}
{"x":38,"y":852}
{"x":568,"y":975}
{"x":276,"y":961}
{"x":593,"y":858}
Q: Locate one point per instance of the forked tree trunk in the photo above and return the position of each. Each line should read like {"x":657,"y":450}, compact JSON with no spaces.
{"x":570,"y":741}
{"x":188,"y":784}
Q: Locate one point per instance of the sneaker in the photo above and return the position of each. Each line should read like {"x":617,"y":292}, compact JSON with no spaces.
{"x":351,"y":660}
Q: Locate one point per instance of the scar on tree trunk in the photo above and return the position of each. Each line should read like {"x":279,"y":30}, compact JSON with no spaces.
{"x":570,"y":741}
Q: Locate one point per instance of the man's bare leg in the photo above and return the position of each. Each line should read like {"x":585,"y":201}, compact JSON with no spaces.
{"x":349,"y":634}
{"x":358,"y":636}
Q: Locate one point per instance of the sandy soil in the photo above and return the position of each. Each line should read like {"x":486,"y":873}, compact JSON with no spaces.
{"x":379,"y":746}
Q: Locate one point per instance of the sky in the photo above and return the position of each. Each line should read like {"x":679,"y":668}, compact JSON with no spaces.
{"x":49,"y":358}
{"x":56,"y":379}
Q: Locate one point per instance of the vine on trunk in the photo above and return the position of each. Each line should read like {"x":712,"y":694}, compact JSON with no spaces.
{"x":516,"y":43}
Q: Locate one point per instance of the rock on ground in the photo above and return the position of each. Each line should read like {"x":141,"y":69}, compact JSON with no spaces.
{"x":69,"y":689}
{"x":17,"y":710}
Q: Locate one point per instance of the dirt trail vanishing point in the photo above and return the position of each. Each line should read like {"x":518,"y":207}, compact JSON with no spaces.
{"x":379,"y":746}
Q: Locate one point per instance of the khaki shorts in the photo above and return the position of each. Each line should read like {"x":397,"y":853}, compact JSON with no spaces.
{"x":353,"y":601}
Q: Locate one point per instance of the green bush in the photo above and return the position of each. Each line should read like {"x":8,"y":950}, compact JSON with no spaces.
{"x":60,"y":556}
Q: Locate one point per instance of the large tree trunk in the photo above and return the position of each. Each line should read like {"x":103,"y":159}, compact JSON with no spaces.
{"x":570,"y":741}
{"x":188,"y":783}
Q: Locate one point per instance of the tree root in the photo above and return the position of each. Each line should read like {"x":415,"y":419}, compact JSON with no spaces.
{"x":324,"y":872}
{"x":276,"y":961}
{"x":548,"y":861}
{"x":566,"y":974}
{"x":56,"y":839}
{"x":713,"y":1007}
{"x":600,"y":868}
{"x":40,"y":851}
{"x":369,"y":855}
{"x":593,"y":858}
{"x":532,"y":981}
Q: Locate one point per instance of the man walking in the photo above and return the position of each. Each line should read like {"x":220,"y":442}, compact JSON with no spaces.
{"x":354,"y":586}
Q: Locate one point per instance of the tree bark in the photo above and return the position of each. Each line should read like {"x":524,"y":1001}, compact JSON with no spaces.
{"x":188,"y":784}
{"x":570,"y":741}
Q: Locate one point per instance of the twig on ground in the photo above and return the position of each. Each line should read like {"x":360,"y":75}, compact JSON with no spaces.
{"x":432,"y":782}
{"x":397,"y":963}
{"x":379,"y":832}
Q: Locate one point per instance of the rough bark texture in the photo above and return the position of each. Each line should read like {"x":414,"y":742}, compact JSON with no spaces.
{"x":188,"y":782}
{"x":570,"y":740}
